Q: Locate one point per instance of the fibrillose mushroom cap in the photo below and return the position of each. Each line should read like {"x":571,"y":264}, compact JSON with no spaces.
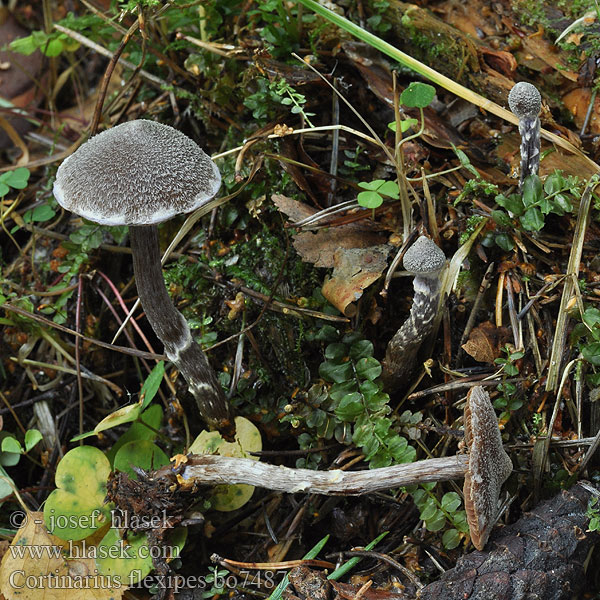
{"x":524,"y":100}
{"x":424,"y":258}
{"x":489,"y":465}
{"x":137,"y":173}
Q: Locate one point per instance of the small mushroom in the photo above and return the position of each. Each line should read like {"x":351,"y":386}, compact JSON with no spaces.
{"x":489,"y":465}
{"x":139,"y":174}
{"x":525,"y":102}
{"x":425,"y":261}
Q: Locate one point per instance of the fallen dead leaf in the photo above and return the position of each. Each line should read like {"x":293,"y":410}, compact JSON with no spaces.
{"x":319,"y":247}
{"x":356,"y":252}
{"x":354,"y":270}
{"x":485,"y":342}
{"x":40,"y":566}
{"x":577,"y":103}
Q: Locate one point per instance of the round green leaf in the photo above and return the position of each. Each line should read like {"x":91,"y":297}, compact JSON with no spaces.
{"x":350,"y":407}
{"x":361,"y":349}
{"x":12,"y":445}
{"x":140,"y":453}
{"x":368,"y":368}
{"x":390,"y":189}
{"x":504,"y":241}
{"x":369,"y":199}
{"x":430,"y":509}
{"x":128,"y":560}
{"x":437,"y":522}
{"x":9,"y":459}
{"x":417,"y":95}
{"x":451,"y":501}
{"x":76,"y":509}
{"x":373,"y":186}
{"x":145,"y":428}
{"x":591,"y":353}
{"x":451,"y":539}
{"x":532,"y":191}
{"x":333,"y":372}
{"x":532,"y":220}
{"x":247,"y":439}
{"x":32,"y":437}
{"x":336,"y":352}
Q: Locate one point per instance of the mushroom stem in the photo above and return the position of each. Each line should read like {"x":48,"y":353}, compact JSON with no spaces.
{"x":402,"y":349}
{"x":212,"y":470}
{"x":174,"y":332}
{"x":529,"y":129}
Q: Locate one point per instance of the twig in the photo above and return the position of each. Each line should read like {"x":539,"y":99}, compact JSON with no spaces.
{"x":108,"y":74}
{"x":51,"y":324}
{"x":104,"y":52}
{"x":78,"y":349}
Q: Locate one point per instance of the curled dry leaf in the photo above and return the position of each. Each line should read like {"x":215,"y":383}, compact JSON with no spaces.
{"x":354,"y":270}
{"x":57,"y":567}
{"x":485,"y":342}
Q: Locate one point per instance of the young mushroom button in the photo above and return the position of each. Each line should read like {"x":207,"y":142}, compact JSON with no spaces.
{"x":525,"y":102}
{"x":139,"y":174}
{"x":425,"y":261}
{"x":489,"y":466}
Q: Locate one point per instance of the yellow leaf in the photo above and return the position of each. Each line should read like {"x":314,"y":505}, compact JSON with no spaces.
{"x":40,"y":566}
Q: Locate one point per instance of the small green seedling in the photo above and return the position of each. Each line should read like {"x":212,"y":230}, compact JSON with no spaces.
{"x":416,"y":95}
{"x":509,"y":400}
{"x":373,"y":197}
{"x":350,"y":405}
{"x":438,"y":513}
{"x":50,"y":44}
{"x":529,"y":209}
{"x":16,"y":179}
{"x":593,"y":514}
{"x":12,"y":445}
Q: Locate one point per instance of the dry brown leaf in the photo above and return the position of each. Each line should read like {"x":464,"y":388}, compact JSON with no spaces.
{"x":354,"y":270}
{"x":537,"y":53}
{"x":295,"y":210}
{"x":577,"y":103}
{"x":485,"y":342}
{"x":37,"y":566}
{"x":319,"y":247}
{"x":356,"y":253}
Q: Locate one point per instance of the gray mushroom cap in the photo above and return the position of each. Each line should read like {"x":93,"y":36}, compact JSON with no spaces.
{"x":137,"y":173}
{"x":424,"y":258}
{"x":524,"y":100}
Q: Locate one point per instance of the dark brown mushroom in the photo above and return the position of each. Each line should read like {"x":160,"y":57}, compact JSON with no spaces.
{"x":489,"y":465}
